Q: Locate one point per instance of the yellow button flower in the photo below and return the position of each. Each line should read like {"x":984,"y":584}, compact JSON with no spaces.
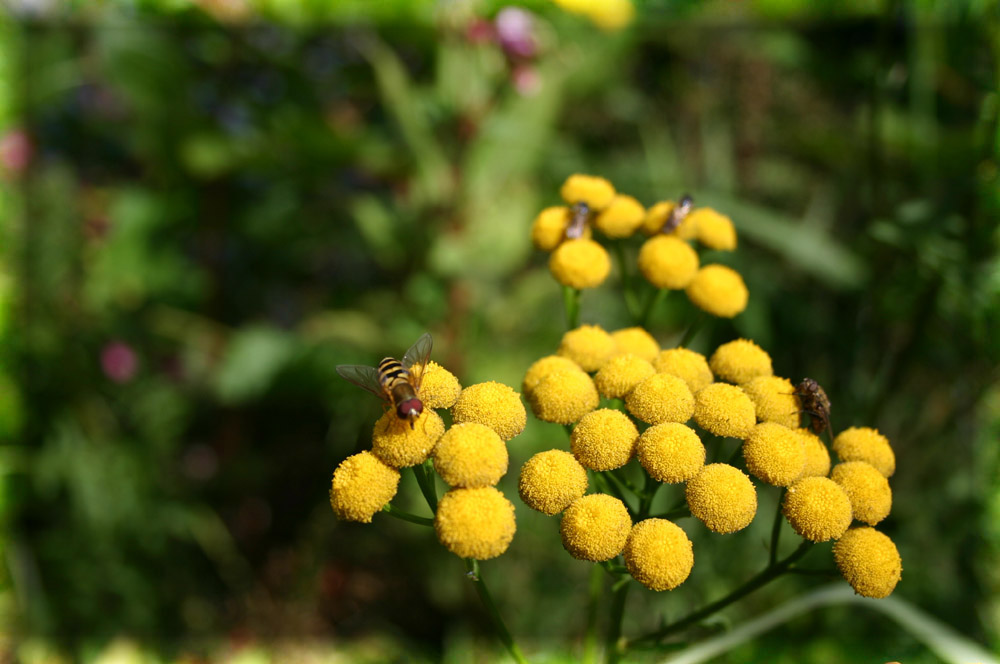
{"x":668,"y":262}
{"x":718,"y":290}
{"x":494,"y":405}
{"x":670,"y":452}
{"x":580,"y":264}
{"x":774,"y":453}
{"x":470,"y":455}
{"x":866,"y":444}
{"x":621,"y":218}
{"x":595,"y":527}
{"x":722,"y":497}
{"x":774,"y":400}
{"x":657,"y":215}
{"x":818,"y":509}
{"x":869,"y":561}
{"x":724,"y":410}
{"x":661,"y":398}
{"x":549,"y":228}
{"x":868,"y":489}
{"x":551,"y":480}
{"x":438,"y":387}
{"x":658,"y":554}
{"x":362,"y":485}
{"x":604,"y":439}
{"x":714,"y":230}
{"x":542,"y":368}
{"x":590,"y":346}
{"x":621,"y":374}
{"x":595,"y":191}
{"x":605,"y":14}
{"x":635,"y":341}
{"x":564,"y":396}
{"x":740,"y":361}
{"x":688,"y":365}
{"x":817,"y":456}
{"x":399,"y":445}
{"x":475,"y":523}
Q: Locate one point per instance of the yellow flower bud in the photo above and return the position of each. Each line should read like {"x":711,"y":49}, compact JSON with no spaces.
{"x":817,"y":456}
{"x":542,"y":368}
{"x":774,"y":453}
{"x":740,"y":361}
{"x":564,"y":396}
{"x":635,"y":341}
{"x":399,"y":444}
{"x":551,"y":480}
{"x":590,"y":346}
{"x":661,"y":398}
{"x":439,"y":388}
{"x":658,"y":554}
{"x":714,"y":230}
{"x":475,"y":523}
{"x":722,"y":497}
{"x":868,"y":489}
{"x":362,"y":485}
{"x":621,"y":218}
{"x":718,"y":290}
{"x":604,"y":439}
{"x":774,"y":400}
{"x":869,"y":561}
{"x":595,"y":527}
{"x":580,"y":264}
{"x":724,"y":410}
{"x":668,"y":262}
{"x":595,"y":191}
{"x":818,"y":508}
{"x":688,"y":365}
{"x":866,"y":444}
{"x":621,"y":374}
{"x":494,"y":405}
{"x":670,"y":452}
{"x":657,"y":215}
{"x":470,"y":455}
{"x":549,"y":228}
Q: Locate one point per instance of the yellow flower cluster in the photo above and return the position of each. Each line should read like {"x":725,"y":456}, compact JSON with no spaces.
{"x":605,"y":14}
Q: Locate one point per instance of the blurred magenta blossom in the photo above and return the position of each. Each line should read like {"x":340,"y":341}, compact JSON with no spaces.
{"x":119,"y":362}
{"x":515,"y":32}
{"x":15,"y":150}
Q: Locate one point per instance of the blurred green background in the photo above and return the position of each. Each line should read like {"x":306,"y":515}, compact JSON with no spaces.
{"x":208,"y":206}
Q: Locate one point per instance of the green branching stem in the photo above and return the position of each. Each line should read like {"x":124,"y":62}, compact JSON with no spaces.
{"x":767,"y":575}
{"x":425,"y":479}
{"x":776,"y":529}
{"x":631,"y":301}
{"x":392,"y":510}
{"x":651,"y":303}
{"x":693,"y":330}
{"x":476,"y":576}
{"x":614,"y":646}
{"x":595,"y":591}
{"x":679,"y":513}
{"x":571,"y":301}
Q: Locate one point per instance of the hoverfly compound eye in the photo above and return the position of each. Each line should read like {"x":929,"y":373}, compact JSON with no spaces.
{"x":410,"y":409}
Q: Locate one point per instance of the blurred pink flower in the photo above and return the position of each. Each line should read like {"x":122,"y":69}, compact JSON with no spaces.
{"x":15,"y":150}
{"x":515,"y":31}
{"x":119,"y":361}
{"x":526,"y":80}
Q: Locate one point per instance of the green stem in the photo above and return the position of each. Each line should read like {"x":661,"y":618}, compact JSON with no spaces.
{"x":767,"y":575}
{"x":631,"y":303}
{"x":604,"y":485}
{"x":776,"y":529}
{"x":678,"y":513}
{"x":651,"y":304}
{"x":648,"y":493}
{"x":620,"y":476}
{"x":392,"y":510}
{"x":571,"y":302}
{"x":614,"y":647}
{"x":693,"y":329}
{"x":425,"y":479}
{"x":491,"y":608}
{"x":593,"y":601}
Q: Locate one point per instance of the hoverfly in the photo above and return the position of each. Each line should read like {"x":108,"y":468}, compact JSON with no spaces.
{"x":577,"y":221}
{"x":393,"y":381}
{"x":678,"y":214}
{"x":815,"y":403}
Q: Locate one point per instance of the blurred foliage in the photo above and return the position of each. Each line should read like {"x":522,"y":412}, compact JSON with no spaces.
{"x":222,"y":202}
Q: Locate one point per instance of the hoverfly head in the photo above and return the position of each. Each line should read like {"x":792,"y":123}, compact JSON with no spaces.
{"x":410,"y":410}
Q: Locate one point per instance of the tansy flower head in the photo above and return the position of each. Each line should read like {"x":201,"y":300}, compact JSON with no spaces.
{"x":817,"y":456}
{"x":774,"y":453}
{"x":868,"y":489}
{"x":596,"y":192}
{"x":866,"y":444}
{"x":549,"y":229}
{"x":670,"y":452}
{"x":668,"y":262}
{"x":621,"y":218}
{"x":542,"y":368}
{"x":470,"y":455}
{"x":688,"y":365}
{"x":661,"y":398}
{"x":712,"y":229}
{"x":724,"y":410}
{"x":636,"y":341}
{"x":658,"y":554}
{"x":774,"y":400}
{"x":869,"y":561}
{"x":580,"y":264}
{"x":589,"y":346}
{"x":718,"y":290}
{"x":564,"y":396}
{"x":657,"y":215}
{"x":818,"y":509}
{"x":551,"y":480}
{"x":399,"y":445}
{"x":604,"y":439}
{"x":475,"y":523}
{"x":605,"y":14}
{"x":740,"y":361}
{"x":595,"y":527}
{"x":362,"y":485}
{"x":491,"y":404}
{"x":621,"y":374}
{"x":438,"y":387}
{"x":722,"y":497}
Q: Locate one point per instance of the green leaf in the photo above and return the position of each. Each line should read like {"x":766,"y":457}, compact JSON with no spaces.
{"x":252,"y":359}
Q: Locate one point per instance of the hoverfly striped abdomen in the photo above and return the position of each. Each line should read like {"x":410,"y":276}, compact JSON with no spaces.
{"x":396,"y":381}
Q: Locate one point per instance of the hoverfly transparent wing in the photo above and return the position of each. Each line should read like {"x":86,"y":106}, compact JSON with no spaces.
{"x":416,"y":358}
{"x":364,"y":377}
